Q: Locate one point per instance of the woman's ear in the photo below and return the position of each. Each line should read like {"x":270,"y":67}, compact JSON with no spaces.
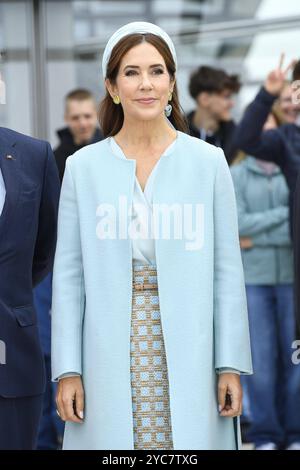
{"x":111,"y":89}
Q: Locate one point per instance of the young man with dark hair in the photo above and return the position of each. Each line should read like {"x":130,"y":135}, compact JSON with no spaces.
{"x":213,"y":91}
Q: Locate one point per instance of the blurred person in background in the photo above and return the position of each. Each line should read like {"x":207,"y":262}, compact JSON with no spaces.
{"x":284,"y":109}
{"x":273,"y":391}
{"x":213,"y":91}
{"x":282,"y":112}
{"x":279,"y":145}
{"x":296,"y":231}
{"x":296,"y":214}
{"x":81,"y":126}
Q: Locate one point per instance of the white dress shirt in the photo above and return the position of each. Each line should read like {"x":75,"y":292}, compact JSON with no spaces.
{"x":2,"y":192}
{"x":143,"y":249}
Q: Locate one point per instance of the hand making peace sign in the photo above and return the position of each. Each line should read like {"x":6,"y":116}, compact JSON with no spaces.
{"x":276,"y":78}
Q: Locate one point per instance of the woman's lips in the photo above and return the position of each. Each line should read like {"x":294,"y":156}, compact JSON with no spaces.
{"x":147,"y":101}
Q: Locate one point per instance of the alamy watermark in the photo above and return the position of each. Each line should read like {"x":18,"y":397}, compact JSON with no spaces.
{"x":2,"y":352}
{"x":165,"y":221}
{"x":296,"y":354}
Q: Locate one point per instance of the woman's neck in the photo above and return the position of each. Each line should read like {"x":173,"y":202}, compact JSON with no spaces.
{"x":145,"y":134}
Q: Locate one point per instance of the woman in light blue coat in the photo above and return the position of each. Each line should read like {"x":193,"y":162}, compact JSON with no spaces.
{"x":149,"y":333}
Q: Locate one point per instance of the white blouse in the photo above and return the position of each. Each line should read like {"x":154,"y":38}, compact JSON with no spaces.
{"x":143,"y":247}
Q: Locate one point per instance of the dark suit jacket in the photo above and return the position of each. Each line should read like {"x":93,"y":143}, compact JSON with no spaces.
{"x":67,"y":147}
{"x":223,"y":138}
{"x":28,"y":225}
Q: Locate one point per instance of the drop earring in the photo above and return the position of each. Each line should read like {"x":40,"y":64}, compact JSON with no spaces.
{"x":168,"y":108}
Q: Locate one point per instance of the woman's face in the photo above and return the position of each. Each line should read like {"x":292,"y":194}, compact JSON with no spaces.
{"x":143,"y":83}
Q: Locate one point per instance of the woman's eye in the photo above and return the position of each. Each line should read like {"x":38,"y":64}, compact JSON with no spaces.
{"x":133,"y":72}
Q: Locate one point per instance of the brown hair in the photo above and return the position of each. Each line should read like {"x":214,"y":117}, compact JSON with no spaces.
{"x":211,"y":80}
{"x":296,"y":71}
{"x":111,"y":116}
{"x":79,"y":94}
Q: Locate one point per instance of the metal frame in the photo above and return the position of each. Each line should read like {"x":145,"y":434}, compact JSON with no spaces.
{"x":39,"y":67}
{"x":40,"y":53}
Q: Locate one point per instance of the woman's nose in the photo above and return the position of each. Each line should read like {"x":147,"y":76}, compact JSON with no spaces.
{"x":145,"y":81}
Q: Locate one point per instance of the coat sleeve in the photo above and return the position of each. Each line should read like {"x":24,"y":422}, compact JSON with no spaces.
{"x":68,"y":293}
{"x":231,"y":329}
{"x":249,"y":134}
{"x":46,"y":237}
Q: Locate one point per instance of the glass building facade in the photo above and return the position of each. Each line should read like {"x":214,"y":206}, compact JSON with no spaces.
{"x":49,"y":47}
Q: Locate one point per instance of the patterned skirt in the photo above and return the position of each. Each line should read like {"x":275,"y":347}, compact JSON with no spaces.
{"x":149,"y":374}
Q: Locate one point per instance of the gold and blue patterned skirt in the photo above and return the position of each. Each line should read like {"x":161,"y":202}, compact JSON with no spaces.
{"x":149,"y":374}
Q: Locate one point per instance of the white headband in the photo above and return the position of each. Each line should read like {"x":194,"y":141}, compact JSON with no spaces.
{"x":132,"y":28}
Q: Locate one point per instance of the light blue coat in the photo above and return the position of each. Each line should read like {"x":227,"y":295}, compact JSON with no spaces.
{"x":202,"y":296}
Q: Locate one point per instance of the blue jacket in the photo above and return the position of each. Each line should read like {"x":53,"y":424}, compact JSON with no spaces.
{"x":201,"y":292}
{"x":263,"y":215}
{"x":27,"y":244}
{"x":281,"y":145}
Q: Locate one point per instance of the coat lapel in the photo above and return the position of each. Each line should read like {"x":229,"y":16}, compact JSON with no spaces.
{"x":10,"y":165}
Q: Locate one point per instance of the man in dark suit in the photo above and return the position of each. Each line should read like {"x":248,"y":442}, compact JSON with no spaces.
{"x":29,"y":194}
